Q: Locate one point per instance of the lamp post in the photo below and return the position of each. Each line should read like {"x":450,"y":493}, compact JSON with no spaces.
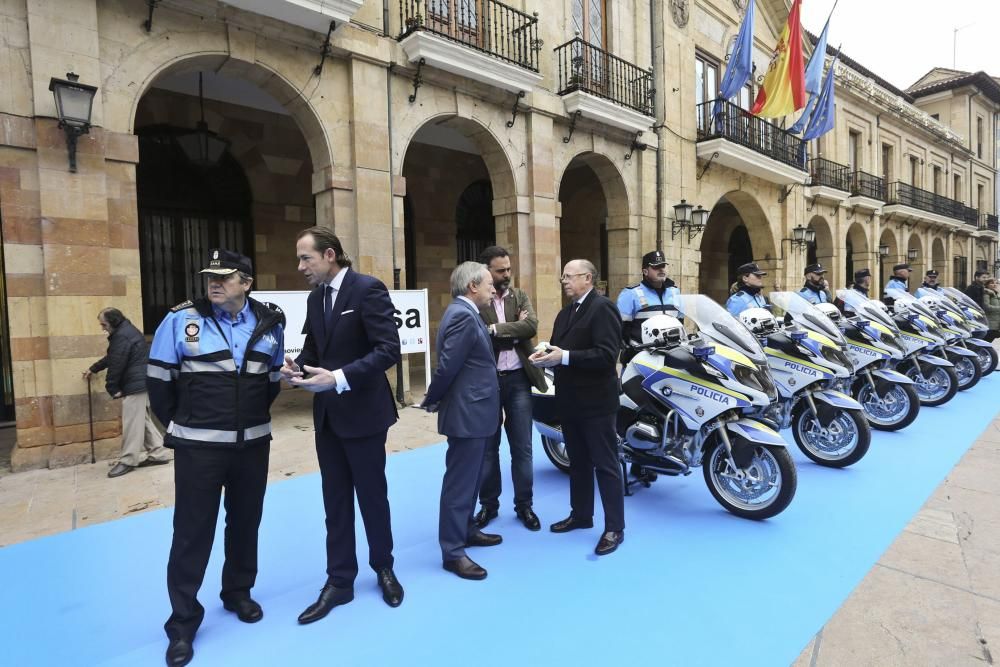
{"x":202,"y":146}
{"x":74,"y":105}
{"x":690,"y":218}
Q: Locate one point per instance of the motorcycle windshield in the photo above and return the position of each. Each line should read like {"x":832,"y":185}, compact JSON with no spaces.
{"x":865,"y":308}
{"x":911,"y":302}
{"x":962,"y":298}
{"x":719,"y":324}
{"x":806,"y":315}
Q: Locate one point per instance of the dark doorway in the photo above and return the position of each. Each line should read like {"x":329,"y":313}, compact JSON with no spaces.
{"x":7,"y":374}
{"x":475,"y":226}
{"x":849,"y":262}
{"x":184,"y":211}
{"x":740,"y":251}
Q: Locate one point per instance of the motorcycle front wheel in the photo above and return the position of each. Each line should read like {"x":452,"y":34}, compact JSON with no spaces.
{"x":556,"y":451}
{"x":896,"y":410}
{"x":937,"y":387}
{"x":840,"y":443}
{"x":967,"y":370}
{"x":768,"y":483}
{"x":987,"y":359}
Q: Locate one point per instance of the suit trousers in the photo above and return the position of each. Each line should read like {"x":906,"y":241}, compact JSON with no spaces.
{"x":592,"y":445}
{"x":200,"y":474}
{"x":140,"y":432}
{"x":462,"y":474}
{"x":348,"y":466}
{"x":515,"y":397}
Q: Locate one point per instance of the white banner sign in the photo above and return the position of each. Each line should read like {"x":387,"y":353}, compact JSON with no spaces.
{"x":410,"y":314}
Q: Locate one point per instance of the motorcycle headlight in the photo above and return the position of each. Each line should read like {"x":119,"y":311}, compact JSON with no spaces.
{"x":836,"y":356}
{"x":757,"y":378}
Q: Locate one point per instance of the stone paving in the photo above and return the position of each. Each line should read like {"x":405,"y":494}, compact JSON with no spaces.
{"x":932,"y":599}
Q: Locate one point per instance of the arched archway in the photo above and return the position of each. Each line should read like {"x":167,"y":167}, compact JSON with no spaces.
{"x":737,"y":232}
{"x":857,"y":255}
{"x":822,"y":250}
{"x":919,"y":262}
{"x":593,"y":218}
{"x":939,"y":262}
{"x":886,"y":263}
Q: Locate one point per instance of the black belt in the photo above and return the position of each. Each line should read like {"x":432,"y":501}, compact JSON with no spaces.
{"x":503,"y":373}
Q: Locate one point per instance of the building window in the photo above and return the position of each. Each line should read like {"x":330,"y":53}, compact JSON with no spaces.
{"x":854,"y":150}
{"x":958,"y":188}
{"x":980,"y":198}
{"x":915,"y":172}
{"x":979,"y":137}
{"x":589,"y":21}
{"x":937,"y":180}
{"x":458,"y":18}
{"x":706,"y":73}
{"x":887,"y":163}
{"x":960,"y":269}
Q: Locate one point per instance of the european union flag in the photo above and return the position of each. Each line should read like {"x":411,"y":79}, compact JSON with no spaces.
{"x":822,"y":119}
{"x":814,"y":79}
{"x":740,"y":62}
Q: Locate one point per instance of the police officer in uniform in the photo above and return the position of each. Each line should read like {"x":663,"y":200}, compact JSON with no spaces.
{"x":900,"y":278}
{"x":747,"y":290}
{"x":654,"y":295}
{"x":930,"y":284}
{"x":862,"y":281}
{"x":816,"y":288}
{"x":213,"y":373}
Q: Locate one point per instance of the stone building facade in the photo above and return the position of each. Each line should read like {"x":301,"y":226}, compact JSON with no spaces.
{"x":421,"y":132}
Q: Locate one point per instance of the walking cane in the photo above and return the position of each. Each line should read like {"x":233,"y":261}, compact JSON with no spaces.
{"x":90,"y":410}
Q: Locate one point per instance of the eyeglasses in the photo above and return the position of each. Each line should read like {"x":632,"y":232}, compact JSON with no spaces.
{"x":566,"y":277}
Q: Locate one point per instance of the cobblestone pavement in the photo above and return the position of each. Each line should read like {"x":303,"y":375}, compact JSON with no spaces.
{"x":932,"y":599}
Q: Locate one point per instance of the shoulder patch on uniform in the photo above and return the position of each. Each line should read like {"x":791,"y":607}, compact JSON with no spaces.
{"x":182,"y":306}
{"x":273,"y":306}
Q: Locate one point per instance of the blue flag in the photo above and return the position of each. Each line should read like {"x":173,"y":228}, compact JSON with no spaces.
{"x":814,"y":79}
{"x":823,"y":117}
{"x":740,"y":64}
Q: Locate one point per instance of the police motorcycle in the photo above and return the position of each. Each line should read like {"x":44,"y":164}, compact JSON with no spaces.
{"x":680,"y":408}
{"x":808,"y":363}
{"x":888,"y":398}
{"x":934,"y":377}
{"x":975,"y":322}
{"x":966,"y":362}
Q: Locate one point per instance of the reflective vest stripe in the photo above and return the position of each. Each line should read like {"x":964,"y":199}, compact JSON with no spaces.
{"x":215,"y":435}
{"x":160,"y":373}
{"x":222,"y":366}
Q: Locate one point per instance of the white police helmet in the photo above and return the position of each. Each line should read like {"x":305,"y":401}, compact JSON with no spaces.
{"x":759,"y":321}
{"x":662,"y":329}
{"x":829,"y":310}
{"x":932,"y":302}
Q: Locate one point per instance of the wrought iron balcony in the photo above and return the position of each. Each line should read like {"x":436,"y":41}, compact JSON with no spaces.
{"x":830,"y":174}
{"x":739,"y":126}
{"x":864,"y":184}
{"x":587,"y":68}
{"x":484,"y":25}
{"x":988,"y":222}
{"x":908,"y":195}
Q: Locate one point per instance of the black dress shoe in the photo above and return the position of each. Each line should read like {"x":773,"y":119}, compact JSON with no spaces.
{"x":246,"y":609}
{"x":484,"y":516}
{"x":570,"y":523}
{"x":529,"y":518}
{"x":609,"y":542}
{"x":466,"y":568}
{"x":120,"y":469}
{"x":329,"y":597}
{"x":392,"y":592}
{"x":481,"y":539}
{"x":179,"y":652}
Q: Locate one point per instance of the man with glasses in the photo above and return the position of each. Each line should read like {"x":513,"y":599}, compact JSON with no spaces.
{"x":586,"y":339}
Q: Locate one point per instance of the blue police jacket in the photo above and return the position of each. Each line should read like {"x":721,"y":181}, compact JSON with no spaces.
{"x":640,"y":302}
{"x":742,"y":300}
{"x":814,"y":296}
{"x":896,"y":283}
{"x":196,"y":388}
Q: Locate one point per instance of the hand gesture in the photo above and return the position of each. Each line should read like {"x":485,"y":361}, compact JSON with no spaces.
{"x":290,"y":369}
{"x":551,"y":356}
{"x":320,"y":379}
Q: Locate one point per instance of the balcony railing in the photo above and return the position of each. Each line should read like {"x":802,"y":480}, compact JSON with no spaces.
{"x":741,"y":127}
{"x":830,"y":174}
{"x":864,"y":184}
{"x":485,"y":25}
{"x":587,"y":68}
{"x":989,"y":222}
{"x":907,"y":195}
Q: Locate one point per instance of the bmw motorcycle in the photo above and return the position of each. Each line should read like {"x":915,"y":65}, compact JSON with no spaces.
{"x":966,"y":362}
{"x":808,"y":362}
{"x":976,"y":323}
{"x":887,"y":397}
{"x":680,"y":408}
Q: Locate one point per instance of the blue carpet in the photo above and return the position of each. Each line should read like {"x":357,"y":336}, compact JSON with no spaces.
{"x":691,"y":585}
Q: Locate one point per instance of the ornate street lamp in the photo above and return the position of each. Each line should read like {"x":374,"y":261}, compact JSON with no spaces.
{"x":74,"y":105}
{"x":689,"y":218}
{"x":202,"y":146}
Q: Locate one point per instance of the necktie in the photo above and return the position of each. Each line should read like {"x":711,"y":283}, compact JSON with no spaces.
{"x":576,"y":309}
{"x":328,"y":306}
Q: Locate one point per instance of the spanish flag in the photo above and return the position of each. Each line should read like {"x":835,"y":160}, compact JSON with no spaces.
{"x":784,"y":89}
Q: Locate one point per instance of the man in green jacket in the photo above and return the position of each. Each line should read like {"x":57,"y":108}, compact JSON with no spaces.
{"x":512,"y":324}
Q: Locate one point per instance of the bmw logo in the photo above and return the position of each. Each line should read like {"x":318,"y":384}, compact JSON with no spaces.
{"x":699,"y":411}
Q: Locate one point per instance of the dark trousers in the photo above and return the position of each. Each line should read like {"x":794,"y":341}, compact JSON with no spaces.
{"x":348,"y":466}
{"x":592,"y":446}
{"x":200,"y":475}
{"x":462,"y":471}
{"x":515,"y":398}
{"x":992,"y":335}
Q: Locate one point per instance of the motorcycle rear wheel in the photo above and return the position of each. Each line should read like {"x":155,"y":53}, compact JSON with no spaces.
{"x":771,"y":467}
{"x":903,"y":398}
{"x":843,"y":442}
{"x":556,"y":451}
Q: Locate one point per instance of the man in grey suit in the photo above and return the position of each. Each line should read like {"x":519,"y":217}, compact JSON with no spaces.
{"x":465,"y":393}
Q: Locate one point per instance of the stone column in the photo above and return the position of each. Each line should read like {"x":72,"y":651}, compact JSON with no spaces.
{"x":541,"y":264}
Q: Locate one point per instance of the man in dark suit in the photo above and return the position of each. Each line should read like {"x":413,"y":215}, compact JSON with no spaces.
{"x":585,"y":343}
{"x":351,"y":341}
{"x":466,"y":395}
{"x":512,"y":324}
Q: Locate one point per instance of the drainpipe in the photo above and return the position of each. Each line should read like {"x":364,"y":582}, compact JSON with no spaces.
{"x":971,"y":179}
{"x":657,"y":128}
{"x":392,"y":217}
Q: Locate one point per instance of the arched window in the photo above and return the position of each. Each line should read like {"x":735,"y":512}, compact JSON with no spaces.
{"x":475,"y":227}
{"x":184,"y":211}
